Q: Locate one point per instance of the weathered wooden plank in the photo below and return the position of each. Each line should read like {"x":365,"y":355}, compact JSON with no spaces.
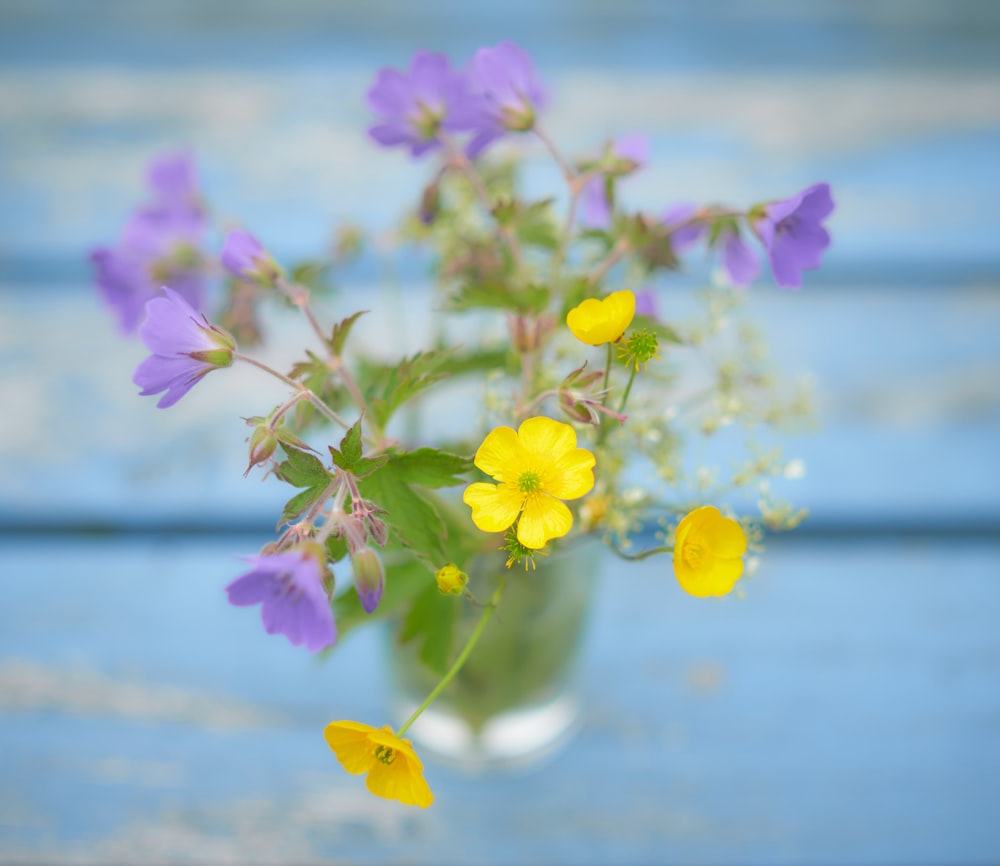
{"x":844,"y":710}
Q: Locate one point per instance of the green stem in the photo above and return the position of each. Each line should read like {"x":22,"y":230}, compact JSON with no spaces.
{"x":628,"y":388}
{"x":296,"y":386}
{"x":460,"y":661}
{"x":635,"y":557}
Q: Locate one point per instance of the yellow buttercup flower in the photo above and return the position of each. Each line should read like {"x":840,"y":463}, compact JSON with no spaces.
{"x":393,"y":768}
{"x":708,"y":552}
{"x":537,"y":466}
{"x":596,"y":322}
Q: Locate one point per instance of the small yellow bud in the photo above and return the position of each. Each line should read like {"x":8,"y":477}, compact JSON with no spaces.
{"x":451,"y":579}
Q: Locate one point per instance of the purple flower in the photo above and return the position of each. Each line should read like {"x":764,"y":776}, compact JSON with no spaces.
{"x":646,"y":303}
{"x":160,"y":243}
{"x":683,"y":232}
{"x":414,"y":106}
{"x":504,"y":80}
{"x":174,"y":180}
{"x":625,"y":155}
{"x":293,"y":602}
{"x":740,"y":262}
{"x":184,"y":345}
{"x":792,"y":233}
{"x":244,"y":256}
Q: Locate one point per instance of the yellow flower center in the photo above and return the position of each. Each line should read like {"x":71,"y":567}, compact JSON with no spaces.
{"x":385,"y":754}
{"x":693,"y":555}
{"x":529,"y":482}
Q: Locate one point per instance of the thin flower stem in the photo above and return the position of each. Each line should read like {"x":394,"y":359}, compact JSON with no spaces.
{"x":610,"y":260}
{"x":297,"y":386}
{"x":456,"y":157}
{"x":607,"y":374}
{"x":462,"y":657}
{"x":628,"y":388}
{"x":636,"y":557}
{"x":299,"y":296}
{"x":561,"y":161}
{"x":281,"y":410}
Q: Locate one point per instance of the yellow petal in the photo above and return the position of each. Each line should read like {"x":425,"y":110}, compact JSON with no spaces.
{"x":350,"y":742}
{"x":402,"y":780}
{"x":595,"y":322}
{"x":494,"y":506}
{"x":543,"y":519}
{"x":724,"y":537}
{"x":571,"y":475}
{"x":715,"y":576}
{"x":545,"y":439}
{"x":692,"y":524}
{"x":501,"y":456}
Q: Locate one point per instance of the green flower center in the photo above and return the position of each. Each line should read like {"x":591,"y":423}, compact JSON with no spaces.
{"x":529,"y":482}
{"x":385,"y":754}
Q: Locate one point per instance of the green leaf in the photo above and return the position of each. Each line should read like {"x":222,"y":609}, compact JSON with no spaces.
{"x":336,"y":548}
{"x":414,"y":522}
{"x":405,"y":381}
{"x":301,"y":502}
{"x":429,"y":467}
{"x":536,"y":227}
{"x":312,"y":275}
{"x":530,"y":299}
{"x":430,"y":623}
{"x":403,"y":580}
{"x":341,"y":330}
{"x":302,"y":469}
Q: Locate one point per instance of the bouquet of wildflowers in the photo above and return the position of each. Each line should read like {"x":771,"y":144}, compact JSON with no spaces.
{"x":585,"y":411}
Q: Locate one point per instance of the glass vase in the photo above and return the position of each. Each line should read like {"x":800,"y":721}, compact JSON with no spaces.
{"x":516,"y":699}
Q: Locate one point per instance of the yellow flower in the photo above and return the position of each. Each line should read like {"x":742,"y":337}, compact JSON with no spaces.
{"x":596,"y":322}
{"x":393,"y":768}
{"x":537,"y":466}
{"x":451,"y":580}
{"x":708,"y":551}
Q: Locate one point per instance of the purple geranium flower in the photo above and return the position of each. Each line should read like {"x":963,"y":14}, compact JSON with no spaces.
{"x":184,"y":345}
{"x":289,"y":588}
{"x":245,"y":257}
{"x":414,"y":106}
{"x":684,"y":233}
{"x":625,"y":155}
{"x":161,"y":243}
{"x":510,"y":94}
{"x":740,"y":262}
{"x":792,"y":233}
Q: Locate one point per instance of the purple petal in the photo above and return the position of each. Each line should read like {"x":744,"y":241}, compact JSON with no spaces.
{"x":739,"y":261}
{"x":240,"y":253}
{"x":252,"y":588}
{"x":595,"y":207}
{"x":174,"y":327}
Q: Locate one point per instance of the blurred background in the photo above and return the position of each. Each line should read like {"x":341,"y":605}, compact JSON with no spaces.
{"x":847,"y":709}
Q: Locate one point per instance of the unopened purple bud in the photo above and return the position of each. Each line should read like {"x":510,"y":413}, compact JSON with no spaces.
{"x":245,"y":257}
{"x":369,"y":578}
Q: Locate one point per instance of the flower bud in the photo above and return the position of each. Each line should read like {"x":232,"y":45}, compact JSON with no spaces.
{"x":369,"y":578}
{"x":245,"y":257}
{"x":451,"y":580}
{"x":263,"y":442}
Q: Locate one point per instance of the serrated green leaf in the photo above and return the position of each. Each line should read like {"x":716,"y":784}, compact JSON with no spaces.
{"x":535,"y":226}
{"x":530,"y":299}
{"x":341,"y":330}
{"x":350,"y":448}
{"x":430,"y":467}
{"x":408,"y":379}
{"x":301,"y":502}
{"x":413,"y":521}
{"x":301,"y":469}
{"x":430,"y":624}
{"x":336,"y":548}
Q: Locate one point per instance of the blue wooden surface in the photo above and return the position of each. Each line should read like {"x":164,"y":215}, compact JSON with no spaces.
{"x":847,"y":710}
